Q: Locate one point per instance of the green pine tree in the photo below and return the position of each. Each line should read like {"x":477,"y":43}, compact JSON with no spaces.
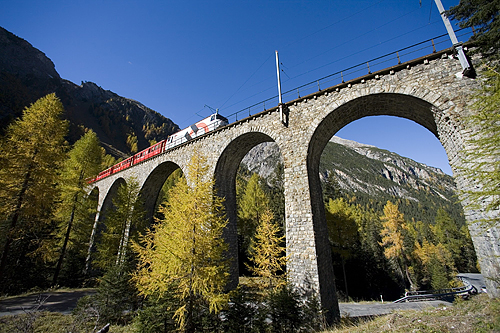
{"x":484,"y":16}
{"x":447,"y":232}
{"x":33,"y":150}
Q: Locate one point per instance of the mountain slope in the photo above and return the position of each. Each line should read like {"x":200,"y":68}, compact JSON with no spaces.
{"x":26,"y":74}
{"x":371,"y":176}
{"x":368,"y":172}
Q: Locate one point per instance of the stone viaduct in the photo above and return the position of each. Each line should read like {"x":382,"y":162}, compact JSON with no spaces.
{"x":429,"y":91}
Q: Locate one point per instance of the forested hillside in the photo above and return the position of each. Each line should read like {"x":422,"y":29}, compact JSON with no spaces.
{"x":370,"y":176}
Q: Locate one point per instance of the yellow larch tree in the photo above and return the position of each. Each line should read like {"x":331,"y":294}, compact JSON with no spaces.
{"x":268,"y":254}
{"x":32,"y":152}
{"x":184,"y":253}
{"x":393,"y":234}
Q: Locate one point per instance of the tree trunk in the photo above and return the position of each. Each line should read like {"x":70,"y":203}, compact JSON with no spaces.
{"x":66,"y":240}
{"x":345,"y":278}
{"x":14,"y":219}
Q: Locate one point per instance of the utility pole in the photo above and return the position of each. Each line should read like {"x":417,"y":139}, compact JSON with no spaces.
{"x":282,"y":107}
{"x":279,"y":80}
{"x":467,"y":68}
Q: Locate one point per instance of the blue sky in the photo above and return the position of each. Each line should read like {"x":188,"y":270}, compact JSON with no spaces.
{"x":178,"y":56}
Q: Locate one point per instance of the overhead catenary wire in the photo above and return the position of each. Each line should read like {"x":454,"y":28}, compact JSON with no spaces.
{"x":351,"y":68}
{"x":355,"y":38}
{"x":329,"y":50}
{"x":298,"y":40}
{"x":328,"y":64}
{"x":374,"y":59}
{"x":246,"y":81}
{"x":335,"y":23}
{"x":361,"y":51}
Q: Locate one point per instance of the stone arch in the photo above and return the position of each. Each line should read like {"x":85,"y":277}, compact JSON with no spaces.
{"x":387,"y":104}
{"x":98,"y":226}
{"x":94,"y":191}
{"x":225,"y":184}
{"x":153,"y":184}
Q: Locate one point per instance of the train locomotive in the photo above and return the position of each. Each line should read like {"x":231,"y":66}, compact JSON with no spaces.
{"x":203,"y":126}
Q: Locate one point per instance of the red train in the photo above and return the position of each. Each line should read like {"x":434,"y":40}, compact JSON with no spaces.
{"x":203,"y":126}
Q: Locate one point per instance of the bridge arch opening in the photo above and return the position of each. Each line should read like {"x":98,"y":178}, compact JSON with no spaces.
{"x":250,"y":154}
{"x":93,"y":197}
{"x":107,"y":203}
{"x":421,"y":112}
{"x":152,"y":191}
{"x":98,"y":227}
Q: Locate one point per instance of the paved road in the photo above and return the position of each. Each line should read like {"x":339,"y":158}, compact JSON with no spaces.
{"x":64,"y":302}
{"x":378,"y":308}
{"x":57,"y":301}
{"x":476,"y":279}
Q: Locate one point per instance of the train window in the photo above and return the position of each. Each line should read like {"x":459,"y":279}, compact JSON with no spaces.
{"x":221,"y":117}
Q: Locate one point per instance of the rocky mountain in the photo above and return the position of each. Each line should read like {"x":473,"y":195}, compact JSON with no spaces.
{"x":26,"y":74}
{"x":370,"y":176}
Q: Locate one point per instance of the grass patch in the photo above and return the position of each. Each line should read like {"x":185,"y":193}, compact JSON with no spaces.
{"x":478,"y":314}
{"x":44,"y":322}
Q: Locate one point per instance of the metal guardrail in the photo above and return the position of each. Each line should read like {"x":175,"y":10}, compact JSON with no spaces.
{"x":429,"y":295}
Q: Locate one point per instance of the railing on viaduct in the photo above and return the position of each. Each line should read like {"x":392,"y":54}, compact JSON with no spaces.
{"x":397,"y":57}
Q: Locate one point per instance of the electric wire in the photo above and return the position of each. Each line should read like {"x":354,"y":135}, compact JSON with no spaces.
{"x":351,"y":69}
{"x":296,"y":41}
{"x":330,"y":63}
{"x":246,"y":81}
{"x":335,"y":23}
{"x":361,"y":51}
{"x":355,"y":38}
{"x":335,"y":47}
{"x":317,"y":55}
